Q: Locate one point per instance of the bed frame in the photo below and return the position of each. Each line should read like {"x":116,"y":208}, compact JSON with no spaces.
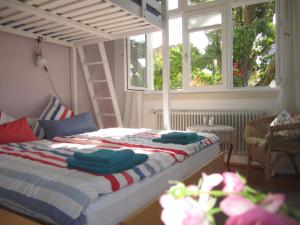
{"x":148,"y":215}
{"x":72,"y":23}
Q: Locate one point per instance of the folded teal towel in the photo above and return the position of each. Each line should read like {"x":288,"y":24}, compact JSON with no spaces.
{"x":105,"y":156}
{"x":180,"y":135}
{"x":94,"y":168}
{"x":182,"y":138}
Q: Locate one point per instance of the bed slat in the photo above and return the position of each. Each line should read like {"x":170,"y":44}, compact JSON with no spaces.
{"x":94,"y":14}
{"x":104,"y":17}
{"x":73,"y":6}
{"x":86,"y":9}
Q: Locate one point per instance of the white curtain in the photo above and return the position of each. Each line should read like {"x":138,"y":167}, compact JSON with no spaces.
{"x":289,"y":35}
{"x":133,"y":112}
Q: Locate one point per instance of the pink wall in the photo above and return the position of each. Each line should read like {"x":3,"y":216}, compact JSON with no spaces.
{"x":24,"y":88}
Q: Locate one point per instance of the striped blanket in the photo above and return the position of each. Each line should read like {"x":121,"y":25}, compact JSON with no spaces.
{"x":35,"y":180}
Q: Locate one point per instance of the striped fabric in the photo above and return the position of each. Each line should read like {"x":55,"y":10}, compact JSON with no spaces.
{"x":55,"y":110}
{"x":4,"y":118}
{"x":35,"y":178}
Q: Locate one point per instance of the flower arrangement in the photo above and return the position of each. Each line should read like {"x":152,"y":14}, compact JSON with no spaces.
{"x":243,"y":205}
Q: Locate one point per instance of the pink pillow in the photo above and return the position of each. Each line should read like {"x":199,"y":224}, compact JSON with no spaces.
{"x":16,"y":131}
{"x":4,"y":118}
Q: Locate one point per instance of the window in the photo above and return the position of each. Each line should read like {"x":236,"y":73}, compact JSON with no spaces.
{"x":219,"y":46}
{"x":194,"y":2}
{"x":254,"y":49}
{"x":205,"y":50}
{"x":137,"y":70}
{"x":172,"y":4}
{"x":175,"y":51}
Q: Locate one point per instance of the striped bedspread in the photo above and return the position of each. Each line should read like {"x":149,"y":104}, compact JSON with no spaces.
{"x":34,"y":178}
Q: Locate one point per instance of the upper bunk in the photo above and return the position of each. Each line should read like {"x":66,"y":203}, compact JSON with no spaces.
{"x":74,"y":22}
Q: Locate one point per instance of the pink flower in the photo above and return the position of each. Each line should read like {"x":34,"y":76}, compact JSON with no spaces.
{"x":208,"y":183}
{"x":243,"y":212}
{"x":233,"y":182}
{"x":185,"y":211}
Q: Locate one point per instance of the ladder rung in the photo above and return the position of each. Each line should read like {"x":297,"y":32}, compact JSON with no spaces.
{"x":102,"y":98}
{"x":93,"y":63}
{"x":108,"y":114}
{"x":98,"y":81}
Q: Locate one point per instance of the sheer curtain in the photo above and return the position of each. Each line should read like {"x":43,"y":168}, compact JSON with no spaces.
{"x":289,"y":79}
{"x":133,"y":111}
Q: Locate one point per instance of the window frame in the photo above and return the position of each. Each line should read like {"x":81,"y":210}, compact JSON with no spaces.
{"x":225,"y":8}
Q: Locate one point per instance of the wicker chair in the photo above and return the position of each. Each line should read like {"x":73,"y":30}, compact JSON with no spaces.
{"x":262,"y":140}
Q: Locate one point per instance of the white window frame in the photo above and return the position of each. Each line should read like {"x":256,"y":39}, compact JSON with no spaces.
{"x":186,"y":50}
{"x":225,"y":8}
{"x":129,"y":86}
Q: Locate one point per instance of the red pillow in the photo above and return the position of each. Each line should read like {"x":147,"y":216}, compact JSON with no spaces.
{"x":16,"y":131}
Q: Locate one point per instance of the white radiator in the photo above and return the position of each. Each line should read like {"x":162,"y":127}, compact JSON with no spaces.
{"x":180,"y":119}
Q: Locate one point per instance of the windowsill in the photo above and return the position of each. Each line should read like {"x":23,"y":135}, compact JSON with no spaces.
{"x":233,"y":90}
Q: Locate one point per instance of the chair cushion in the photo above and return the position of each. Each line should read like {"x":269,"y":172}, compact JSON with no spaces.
{"x":260,"y":142}
{"x":285,"y":118}
{"x":252,"y":132}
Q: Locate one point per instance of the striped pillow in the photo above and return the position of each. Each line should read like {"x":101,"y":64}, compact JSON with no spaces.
{"x":55,"y":110}
{"x":5,"y":118}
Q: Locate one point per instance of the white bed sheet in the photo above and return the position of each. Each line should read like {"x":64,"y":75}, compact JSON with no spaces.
{"x":113,"y":208}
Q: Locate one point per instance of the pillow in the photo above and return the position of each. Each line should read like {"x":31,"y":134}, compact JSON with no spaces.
{"x":285,"y":118}
{"x":55,"y":110}
{"x":81,"y":123}
{"x":16,"y":131}
{"x":4,"y":118}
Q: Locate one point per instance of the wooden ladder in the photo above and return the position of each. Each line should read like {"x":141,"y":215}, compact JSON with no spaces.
{"x":91,"y":85}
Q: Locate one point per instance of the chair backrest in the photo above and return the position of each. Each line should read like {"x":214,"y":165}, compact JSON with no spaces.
{"x":261,"y":124}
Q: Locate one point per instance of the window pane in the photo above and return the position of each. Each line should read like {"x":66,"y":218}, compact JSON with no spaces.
{"x":205,"y":56}
{"x":137,"y":61}
{"x":194,"y":2}
{"x":172,"y":4}
{"x":254,"y":31}
{"x":175,"y":51}
{"x":205,"y":21}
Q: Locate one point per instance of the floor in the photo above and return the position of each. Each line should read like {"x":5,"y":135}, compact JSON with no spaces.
{"x":288,"y":184}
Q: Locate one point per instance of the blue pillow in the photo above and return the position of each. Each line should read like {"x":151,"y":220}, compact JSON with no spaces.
{"x":80,"y":123}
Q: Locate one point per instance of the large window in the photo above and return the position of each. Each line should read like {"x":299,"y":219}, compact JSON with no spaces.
{"x":224,"y":45}
{"x":205,"y":50}
{"x":137,"y":63}
{"x":254,"y":49}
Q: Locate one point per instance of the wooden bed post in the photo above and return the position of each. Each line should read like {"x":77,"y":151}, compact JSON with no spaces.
{"x":166,"y":68}
{"x":74,"y":87}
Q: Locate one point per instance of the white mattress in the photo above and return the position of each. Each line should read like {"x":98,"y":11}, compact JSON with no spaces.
{"x":113,"y":208}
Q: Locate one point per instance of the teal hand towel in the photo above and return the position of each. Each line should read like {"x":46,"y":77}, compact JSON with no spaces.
{"x":94,"y":168}
{"x":177,"y":137}
{"x":105,"y":156}
{"x":180,"y":135}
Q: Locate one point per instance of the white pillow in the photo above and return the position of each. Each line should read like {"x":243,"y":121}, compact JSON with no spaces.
{"x":285,"y":118}
{"x":4,"y":118}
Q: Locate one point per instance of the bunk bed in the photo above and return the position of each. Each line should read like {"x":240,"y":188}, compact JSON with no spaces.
{"x":78,"y":23}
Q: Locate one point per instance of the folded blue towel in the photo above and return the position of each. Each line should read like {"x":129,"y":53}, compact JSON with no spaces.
{"x":179,"y":135}
{"x":182,"y":138}
{"x":94,"y":168}
{"x":105,"y":156}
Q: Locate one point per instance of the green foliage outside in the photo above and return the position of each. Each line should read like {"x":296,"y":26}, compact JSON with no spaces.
{"x":253,"y":52}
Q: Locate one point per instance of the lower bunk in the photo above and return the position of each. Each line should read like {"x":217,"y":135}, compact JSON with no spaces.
{"x":127,"y":205}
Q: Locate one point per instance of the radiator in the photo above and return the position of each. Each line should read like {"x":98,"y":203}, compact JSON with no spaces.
{"x":180,"y":119}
